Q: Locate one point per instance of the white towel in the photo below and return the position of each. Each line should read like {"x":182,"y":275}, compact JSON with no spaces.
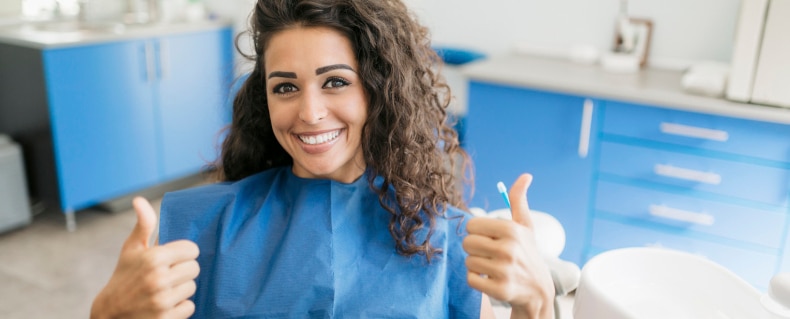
{"x":706,"y":78}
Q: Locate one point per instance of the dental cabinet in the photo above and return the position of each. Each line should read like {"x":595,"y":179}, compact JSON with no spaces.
{"x":631,"y":160}
{"x":106,"y":118}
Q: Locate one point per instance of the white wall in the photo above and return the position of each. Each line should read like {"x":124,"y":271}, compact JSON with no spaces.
{"x":10,"y":8}
{"x":684,"y":30}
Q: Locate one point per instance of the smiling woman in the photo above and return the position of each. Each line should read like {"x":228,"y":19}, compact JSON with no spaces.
{"x":316,"y":102}
{"x":339,"y":195}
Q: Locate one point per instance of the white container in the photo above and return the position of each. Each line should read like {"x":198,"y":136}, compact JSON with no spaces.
{"x":14,"y":203}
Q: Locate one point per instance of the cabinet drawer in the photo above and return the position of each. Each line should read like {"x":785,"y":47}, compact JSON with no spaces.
{"x":753,"y":266}
{"x":717,"y":133}
{"x":730,"y":178}
{"x":692,"y":215}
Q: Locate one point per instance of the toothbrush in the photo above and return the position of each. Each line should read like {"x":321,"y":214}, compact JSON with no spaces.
{"x":503,"y":190}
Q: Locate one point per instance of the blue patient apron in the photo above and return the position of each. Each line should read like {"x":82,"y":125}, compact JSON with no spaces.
{"x":275,"y":245}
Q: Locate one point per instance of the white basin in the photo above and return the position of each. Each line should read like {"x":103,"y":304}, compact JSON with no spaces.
{"x":647,"y":283}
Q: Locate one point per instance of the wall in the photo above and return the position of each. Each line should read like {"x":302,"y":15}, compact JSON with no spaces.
{"x":10,"y":8}
{"x":684,"y":30}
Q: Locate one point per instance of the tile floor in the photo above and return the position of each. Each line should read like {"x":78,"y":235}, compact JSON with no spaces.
{"x":48,"y":272}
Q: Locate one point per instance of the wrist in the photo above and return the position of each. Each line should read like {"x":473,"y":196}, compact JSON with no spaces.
{"x":100,"y":309}
{"x":538,"y":308}
{"x":543,"y":310}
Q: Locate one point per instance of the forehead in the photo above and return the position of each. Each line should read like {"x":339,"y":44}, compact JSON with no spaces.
{"x":307,"y":47}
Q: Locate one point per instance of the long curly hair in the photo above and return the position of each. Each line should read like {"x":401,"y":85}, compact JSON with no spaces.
{"x":406,"y":140}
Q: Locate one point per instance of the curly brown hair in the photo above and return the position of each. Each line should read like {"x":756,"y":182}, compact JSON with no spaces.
{"x":407,"y":139}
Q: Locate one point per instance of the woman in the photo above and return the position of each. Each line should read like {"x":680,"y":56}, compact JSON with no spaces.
{"x":339,"y":197}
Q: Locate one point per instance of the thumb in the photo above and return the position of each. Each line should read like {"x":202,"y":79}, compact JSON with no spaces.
{"x":518,"y":199}
{"x":145,"y":227}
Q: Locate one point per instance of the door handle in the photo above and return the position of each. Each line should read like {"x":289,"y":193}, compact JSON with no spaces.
{"x":150,"y":68}
{"x":586,"y":127}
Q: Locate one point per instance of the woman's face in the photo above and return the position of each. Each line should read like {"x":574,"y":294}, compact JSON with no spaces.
{"x":316,"y":102}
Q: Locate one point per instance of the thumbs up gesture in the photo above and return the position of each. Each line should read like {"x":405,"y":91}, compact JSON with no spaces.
{"x":149,"y":281}
{"x":504,"y":261}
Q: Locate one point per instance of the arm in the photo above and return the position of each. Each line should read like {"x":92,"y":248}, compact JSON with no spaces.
{"x":149,"y":281}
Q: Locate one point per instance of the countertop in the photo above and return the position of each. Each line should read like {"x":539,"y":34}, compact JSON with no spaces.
{"x":33,"y":36}
{"x":655,"y":87}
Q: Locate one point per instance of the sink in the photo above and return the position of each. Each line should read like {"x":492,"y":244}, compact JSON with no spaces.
{"x":649,"y":282}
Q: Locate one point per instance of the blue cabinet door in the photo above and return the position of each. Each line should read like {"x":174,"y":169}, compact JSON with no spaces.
{"x":514,"y":130}
{"x":194,"y":73}
{"x":101,"y":111}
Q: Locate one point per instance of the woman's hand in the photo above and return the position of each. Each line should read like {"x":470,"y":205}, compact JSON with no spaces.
{"x":504,"y":261}
{"x":149,"y":282}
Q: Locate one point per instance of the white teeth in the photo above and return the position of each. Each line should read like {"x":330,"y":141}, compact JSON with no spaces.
{"x":320,"y":139}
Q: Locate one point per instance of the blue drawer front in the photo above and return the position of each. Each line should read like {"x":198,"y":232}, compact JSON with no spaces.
{"x":736,"y":179}
{"x":755,"y":267}
{"x":744,"y":137}
{"x":691,"y":214}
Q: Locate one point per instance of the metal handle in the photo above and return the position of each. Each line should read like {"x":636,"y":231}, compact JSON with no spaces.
{"x":687,"y":174}
{"x":150,"y":68}
{"x":681,"y":215}
{"x":586,"y":127}
{"x":693,"y":131}
{"x":164,"y":59}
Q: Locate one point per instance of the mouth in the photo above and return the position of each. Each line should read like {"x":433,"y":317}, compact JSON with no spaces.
{"x":318,"y":139}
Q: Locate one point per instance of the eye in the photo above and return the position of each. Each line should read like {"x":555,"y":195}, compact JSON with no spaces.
{"x":335,"y":82}
{"x":284,"y":88}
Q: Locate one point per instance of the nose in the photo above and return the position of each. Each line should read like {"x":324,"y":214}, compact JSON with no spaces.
{"x":313,"y":107}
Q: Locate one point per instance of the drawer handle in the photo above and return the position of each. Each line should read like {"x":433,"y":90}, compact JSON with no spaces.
{"x":681,"y":215}
{"x":693,"y":131}
{"x":150,"y":67}
{"x":687,"y":174}
{"x":586,"y":127}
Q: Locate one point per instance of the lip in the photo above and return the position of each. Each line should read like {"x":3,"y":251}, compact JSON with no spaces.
{"x":319,"y":148}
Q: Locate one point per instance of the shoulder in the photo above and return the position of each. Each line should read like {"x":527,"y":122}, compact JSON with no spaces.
{"x":455,"y":220}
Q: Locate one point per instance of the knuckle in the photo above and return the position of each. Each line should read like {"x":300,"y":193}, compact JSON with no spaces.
{"x":504,"y":252}
{"x":152,"y":258}
{"x":154,"y":281}
{"x":194,"y":267}
{"x":189,"y":308}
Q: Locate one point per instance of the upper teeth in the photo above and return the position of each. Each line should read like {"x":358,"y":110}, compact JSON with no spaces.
{"x":320,"y":138}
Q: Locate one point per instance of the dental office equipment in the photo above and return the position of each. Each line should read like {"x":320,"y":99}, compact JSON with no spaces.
{"x":503,"y":190}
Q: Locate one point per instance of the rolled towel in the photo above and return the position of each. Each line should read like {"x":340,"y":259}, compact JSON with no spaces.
{"x":706,"y":78}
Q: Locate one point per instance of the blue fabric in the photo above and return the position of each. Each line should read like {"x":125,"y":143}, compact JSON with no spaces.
{"x":274,"y":245}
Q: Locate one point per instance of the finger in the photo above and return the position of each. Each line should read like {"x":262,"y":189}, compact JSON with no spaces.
{"x":146,"y":224}
{"x":486,"y":266}
{"x":169,"y":298}
{"x":183,"y":291}
{"x":176,"y":252}
{"x":184,"y":309}
{"x":183,"y":272}
{"x":482,"y":284}
{"x":477,"y":245}
{"x":494,"y":228}
{"x":518,"y":200}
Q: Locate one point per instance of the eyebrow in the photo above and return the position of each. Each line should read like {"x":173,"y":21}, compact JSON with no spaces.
{"x":290,"y":75}
{"x":328,"y":68}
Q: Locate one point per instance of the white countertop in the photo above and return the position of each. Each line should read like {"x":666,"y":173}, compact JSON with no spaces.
{"x":27,"y":35}
{"x":653,"y":87}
